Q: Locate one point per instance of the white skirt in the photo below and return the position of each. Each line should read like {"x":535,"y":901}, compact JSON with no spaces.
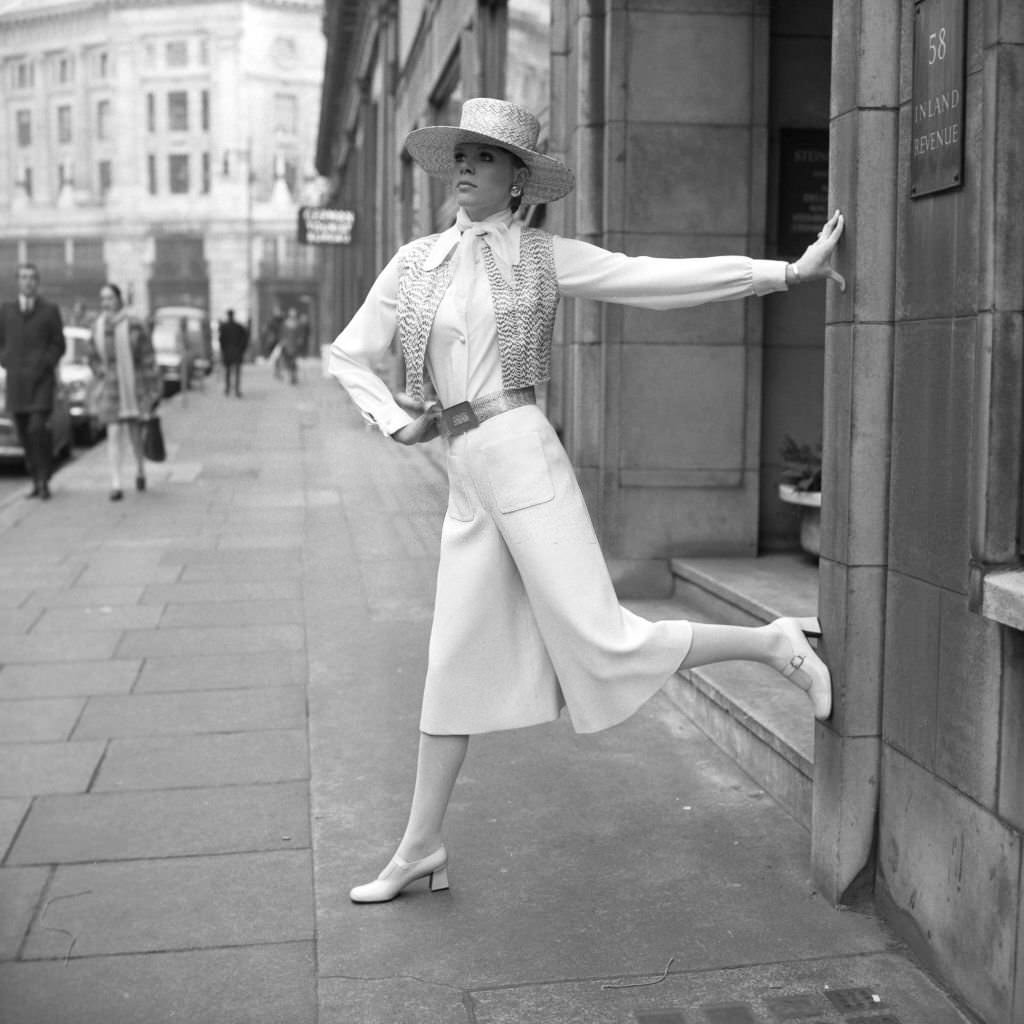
{"x":526,"y":620}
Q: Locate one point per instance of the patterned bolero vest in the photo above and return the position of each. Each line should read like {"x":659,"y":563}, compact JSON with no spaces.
{"x":524,"y":311}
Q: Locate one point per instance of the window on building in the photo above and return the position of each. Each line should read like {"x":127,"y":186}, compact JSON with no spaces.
{"x":49,"y":255}
{"x":66,"y":173}
{"x":291,"y":173}
{"x":204,"y":51}
{"x":105,"y":176}
{"x":25,"y":180}
{"x":24,"y":130}
{"x":204,"y":110}
{"x":103,"y":65}
{"x":286,"y":114}
{"x":151,"y":163}
{"x":64,"y":124}
{"x":177,"y":173}
{"x":65,"y":70}
{"x":150,"y":112}
{"x":176,"y":53}
{"x":103,"y":120}
{"x":24,"y":75}
{"x":206,"y":174}
{"x":177,"y":111}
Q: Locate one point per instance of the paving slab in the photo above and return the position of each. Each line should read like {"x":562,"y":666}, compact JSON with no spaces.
{"x":87,"y":597}
{"x":195,"y":761}
{"x":164,"y":823}
{"x":177,"y":904}
{"x":193,"y":712}
{"x":216,"y":671}
{"x":110,"y":572}
{"x":68,"y":680}
{"x":97,"y":617}
{"x":35,"y":721}
{"x":12,"y":812}
{"x":237,"y":573}
{"x":17,"y":621}
{"x":269,"y":984}
{"x":32,"y":577}
{"x":243,"y":555}
{"x":232,"y":613}
{"x":74,"y":647}
{"x":876,"y":989}
{"x":21,"y":890}
{"x":204,"y":593}
{"x":29,"y":769}
{"x":391,"y":1000}
{"x":148,"y":643}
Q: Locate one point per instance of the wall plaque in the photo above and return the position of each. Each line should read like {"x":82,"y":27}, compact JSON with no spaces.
{"x":937,"y":103}
{"x":803,"y":187}
{"x":320,"y":226}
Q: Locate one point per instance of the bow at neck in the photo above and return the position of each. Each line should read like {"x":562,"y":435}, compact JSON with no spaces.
{"x":497,"y":231}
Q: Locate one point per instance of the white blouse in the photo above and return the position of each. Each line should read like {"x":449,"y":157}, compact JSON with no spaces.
{"x":462,"y":350}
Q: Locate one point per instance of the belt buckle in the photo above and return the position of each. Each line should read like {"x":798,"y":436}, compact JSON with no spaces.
{"x":458,"y":419}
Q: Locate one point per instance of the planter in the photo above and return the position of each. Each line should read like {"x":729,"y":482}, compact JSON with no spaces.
{"x":810,"y":516}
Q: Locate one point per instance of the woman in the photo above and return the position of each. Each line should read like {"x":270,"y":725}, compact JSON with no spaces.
{"x":526,"y":620}
{"x":122,"y":358}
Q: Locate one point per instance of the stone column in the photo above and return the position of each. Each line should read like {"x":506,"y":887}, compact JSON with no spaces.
{"x":863,"y":164}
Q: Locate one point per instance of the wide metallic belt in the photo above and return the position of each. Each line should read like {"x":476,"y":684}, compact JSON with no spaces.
{"x":457,"y":419}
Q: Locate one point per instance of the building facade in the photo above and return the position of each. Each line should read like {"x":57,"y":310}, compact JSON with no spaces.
{"x":163,"y":146}
{"x":700,"y":127}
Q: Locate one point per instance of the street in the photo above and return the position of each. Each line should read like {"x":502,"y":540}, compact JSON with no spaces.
{"x":209,"y":701}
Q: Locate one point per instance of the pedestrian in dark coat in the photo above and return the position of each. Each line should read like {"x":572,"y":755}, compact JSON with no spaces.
{"x":234,"y":340}
{"x":31,"y":344}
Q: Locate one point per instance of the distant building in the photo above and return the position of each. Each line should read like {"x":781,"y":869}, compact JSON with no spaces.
{"x":162,"y":145}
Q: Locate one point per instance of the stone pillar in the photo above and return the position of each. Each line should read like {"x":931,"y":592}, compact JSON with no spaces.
{"x":670,"y":108}
{"x":863,"y":164}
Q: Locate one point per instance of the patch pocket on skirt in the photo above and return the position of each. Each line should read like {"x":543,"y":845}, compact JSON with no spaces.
{"x":460,"y":501}
{"x":518,"y":472}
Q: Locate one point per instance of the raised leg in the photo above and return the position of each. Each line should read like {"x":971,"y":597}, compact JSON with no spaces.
{"x":782,"y":644}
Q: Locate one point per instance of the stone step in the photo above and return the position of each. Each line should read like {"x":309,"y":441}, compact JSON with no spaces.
{"x":758,"y":718}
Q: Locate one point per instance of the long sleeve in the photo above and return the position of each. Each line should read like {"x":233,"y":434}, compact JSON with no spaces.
{"x":587,"y":271}
{"x":55,"y":343}
{"x":366,"y":337}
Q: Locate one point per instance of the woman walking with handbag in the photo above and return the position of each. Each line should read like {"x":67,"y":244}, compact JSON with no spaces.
{"x":526,"y":621}
{"x":122,"y":357}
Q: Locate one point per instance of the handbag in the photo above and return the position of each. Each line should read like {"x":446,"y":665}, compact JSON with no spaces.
{"x":153,"y":440}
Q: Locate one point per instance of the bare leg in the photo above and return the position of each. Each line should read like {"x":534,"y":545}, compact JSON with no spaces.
{"x":438,"y":766}
{"x":135,"y":433}
{"x":114,"y":454}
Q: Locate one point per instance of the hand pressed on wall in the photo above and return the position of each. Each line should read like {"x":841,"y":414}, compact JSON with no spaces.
{"x":816,"y":262}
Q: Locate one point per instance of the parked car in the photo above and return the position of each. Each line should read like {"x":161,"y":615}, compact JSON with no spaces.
{"x":183,"y":344}
{"x":60,"y":424}
{"x":77,"y":375}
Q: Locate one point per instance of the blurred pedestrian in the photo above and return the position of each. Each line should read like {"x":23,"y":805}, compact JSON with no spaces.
{"x":122,"y":358}
{"x":234,"y":339}
{"x":291,"y":344}
{"x":526,"y":621}
{"x":31,"y":344}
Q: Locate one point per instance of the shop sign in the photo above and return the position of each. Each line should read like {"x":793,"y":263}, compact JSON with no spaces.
{"x":937,"y":103}
{"x":803,"y":187}
{"x":320,"y":226}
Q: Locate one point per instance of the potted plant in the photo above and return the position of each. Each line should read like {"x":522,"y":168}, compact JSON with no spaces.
{"x":801,"y":486}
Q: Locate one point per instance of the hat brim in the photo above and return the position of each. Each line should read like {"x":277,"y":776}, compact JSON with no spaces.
{"x":433,"y":149}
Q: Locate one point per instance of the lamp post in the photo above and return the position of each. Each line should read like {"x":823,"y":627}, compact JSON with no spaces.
{"x":245,"y":155}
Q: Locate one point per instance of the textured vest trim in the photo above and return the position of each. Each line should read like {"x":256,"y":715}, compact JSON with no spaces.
{"x":524,"y":310}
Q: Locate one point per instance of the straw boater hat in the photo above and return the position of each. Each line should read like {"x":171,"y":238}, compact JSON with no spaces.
{"x":502,"y":124}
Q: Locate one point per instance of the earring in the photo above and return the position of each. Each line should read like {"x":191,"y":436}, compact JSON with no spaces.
{"x":516,"y":190}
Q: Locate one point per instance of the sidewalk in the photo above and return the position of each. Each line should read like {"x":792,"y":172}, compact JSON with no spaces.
{"x":208,"y":708}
